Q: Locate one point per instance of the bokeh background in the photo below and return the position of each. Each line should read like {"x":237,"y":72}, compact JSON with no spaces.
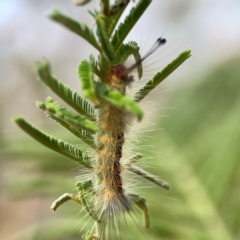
{"x":195,"y":142}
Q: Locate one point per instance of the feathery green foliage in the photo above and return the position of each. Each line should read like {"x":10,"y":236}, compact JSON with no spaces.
{"x":84,"y":189}
{"x":118,"y":100}
{"x":86,"y":76}
{"x":159,"y":77}
{"x":103,"y":82}
{"x":95,"y":66}
{"x":114,"y":18}
{"x":149,"y":176}
{"x":81,"y":105}
{"x":72,"y":152}
{"x":141,"y":203}
{"x":125,"y":51}
{"x":107,"y":49}
{"x":202,"y":154}
{"x":58,"y":112}
{"x":80,"y":29}
{"x":79,"y":132}
{"x":129,"y":22}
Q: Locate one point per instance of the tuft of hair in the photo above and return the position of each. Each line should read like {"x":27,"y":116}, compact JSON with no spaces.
{"x":111,"y":199}
{"x":112,"y":181}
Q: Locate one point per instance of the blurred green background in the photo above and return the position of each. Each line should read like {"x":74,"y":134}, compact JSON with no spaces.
{"x":196,"y":147}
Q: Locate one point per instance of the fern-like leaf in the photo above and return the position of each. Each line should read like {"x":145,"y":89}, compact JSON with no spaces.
{"x":118,"y":100}
{"x":84,"y":135}
{"x":115,"y":17}
{"x":80,"y":29}
{"x":85,"y":74}
{"x":82,"y":106}
{"x":126,"y":50}
{"x":107,"y":49}
{"x":94,"y":66}
{"x":57,"y":111}
{"x":149,"y":177}
{"x":129,"y":22}
{"x":160,"y":76}
{"x":68,"y":150}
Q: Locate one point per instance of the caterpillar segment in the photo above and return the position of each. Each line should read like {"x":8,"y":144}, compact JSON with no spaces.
{"x":111,"y":197}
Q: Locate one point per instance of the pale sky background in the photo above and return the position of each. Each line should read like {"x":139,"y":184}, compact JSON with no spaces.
{"x":211,"y":29}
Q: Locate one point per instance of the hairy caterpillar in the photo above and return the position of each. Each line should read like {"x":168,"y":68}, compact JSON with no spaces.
{"x":104,"y":196}
{"x":110,"y":193}
{"x":103,"y":122}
